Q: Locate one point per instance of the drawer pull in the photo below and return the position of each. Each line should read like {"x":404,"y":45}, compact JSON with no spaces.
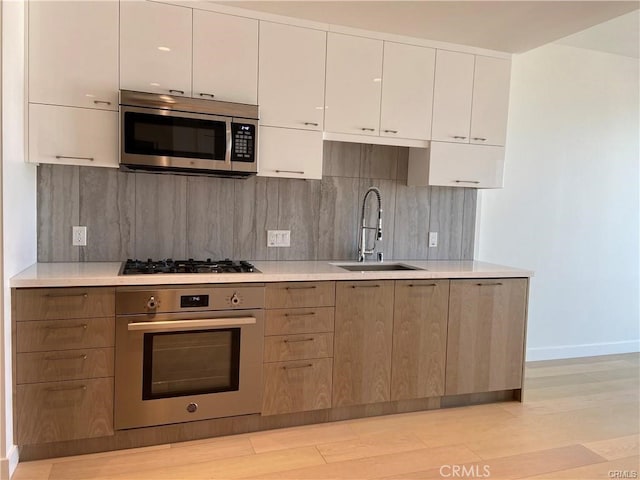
{"x":207,"y":95}
{"x":467,"y":181}
{"x":423,"y":285}
{"x":65,"y":295}
{"x":489,"y":284}
{"x":458,"y":137}
{"x":66,"y":389}
{"x":60,"y":157}
{"x":479,"y":138}
{"x":308,"y":314}
{"x":101,"y":102}
{"x":299,"y":172}
{"x":286,"y":340}
{"x":68,"y":357}
{"x":313,"y":124}
{"x":365,"y":129}
{"x":390,"y":131}
{"x":60,"y":327}
{"x":181,"y":92}
{"x":293,"y":367}
{"x":365,"y":286}
{"x":302,"y":288}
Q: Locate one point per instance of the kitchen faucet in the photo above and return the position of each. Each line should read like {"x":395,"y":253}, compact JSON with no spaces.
{"x":362,"y":244}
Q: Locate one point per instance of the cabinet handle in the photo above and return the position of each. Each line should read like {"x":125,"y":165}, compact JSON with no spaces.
{"x":67,"y":357}
{"x":390,"y":131}
{"x":489,"y":284}
{"x":206,"y":95}
{"x":299,"y":172}
{"x":103,"y":102}
{"x":364,"y":129}
{"x":458,"y":137}
{"x":181,"y":92}
{"x":61,"y":327}
{"x":479,"y":138}
{"x":65,"y":389}
{"x":467,"y":181}
{"x":299,"y":340}
{"x":309,"y":287}
{"x":423,"y":285}
{"x":313,"y":124}
{"x":292,"y":367}
{"x":90,"y":159}
{"x":65,"y":295}
{"x":365,"y":286}
{"x":308,"y":314}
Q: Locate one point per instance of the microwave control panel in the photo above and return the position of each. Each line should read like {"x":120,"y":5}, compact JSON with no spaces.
{"x":244,"y":142}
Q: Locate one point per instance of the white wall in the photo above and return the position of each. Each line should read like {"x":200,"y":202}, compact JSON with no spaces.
{"x":569,"y":209}
{"x":18,"y":202}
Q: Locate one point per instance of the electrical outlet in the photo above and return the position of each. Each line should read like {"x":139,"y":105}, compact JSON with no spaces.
{"x":433,"y":239}
{"x":278,"y":238}
{"x":79,"y":237}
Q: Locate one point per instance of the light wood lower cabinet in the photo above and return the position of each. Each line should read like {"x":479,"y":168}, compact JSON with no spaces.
{"x":64,"y":365}
{"x":295,"y":347}
{"x":56,"y":411}
{"x":363,"y":342}
{"x":485,"y":343}
{"x":419,"y":338}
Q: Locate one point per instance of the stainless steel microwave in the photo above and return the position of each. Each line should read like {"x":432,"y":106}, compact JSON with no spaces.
{"x":173,"y":134}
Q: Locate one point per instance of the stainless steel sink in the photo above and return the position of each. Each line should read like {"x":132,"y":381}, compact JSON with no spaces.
{"x":375,"y":267}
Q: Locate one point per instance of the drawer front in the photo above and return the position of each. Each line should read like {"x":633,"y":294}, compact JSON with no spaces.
{"x":65,"y":334}
{"x":52,"y":412}
{"x":65,"y":365}
{"x":64,"y":303}
{"x":299,"y":320}
{"x":300,"y":294}
{"x":281,"y":348}
{"x":297,"y":386}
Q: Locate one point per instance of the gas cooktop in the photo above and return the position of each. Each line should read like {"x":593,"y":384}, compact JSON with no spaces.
{"x":136,"y":267}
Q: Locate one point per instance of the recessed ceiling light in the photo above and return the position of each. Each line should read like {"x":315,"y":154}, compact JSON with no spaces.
{"x":154,"y":84}
{"x":164,"y":49}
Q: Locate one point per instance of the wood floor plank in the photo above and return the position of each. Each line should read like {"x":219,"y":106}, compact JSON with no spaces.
{"x":615,"y":448}
{"x":597,"y":471}
{"x":370,"y":445}
{"x":302,"y":436}
{"x":38,"y":470}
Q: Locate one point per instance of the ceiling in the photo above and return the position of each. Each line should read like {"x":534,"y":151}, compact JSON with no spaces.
{"x":508,"y":26}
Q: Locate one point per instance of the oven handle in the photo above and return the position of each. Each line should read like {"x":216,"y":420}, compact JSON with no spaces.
{"x":181,"y":325}
{"x":228,"y":152}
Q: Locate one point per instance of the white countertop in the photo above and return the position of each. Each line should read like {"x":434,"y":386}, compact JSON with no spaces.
{"x":106,"y":273}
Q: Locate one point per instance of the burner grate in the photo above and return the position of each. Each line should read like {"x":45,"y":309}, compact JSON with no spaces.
{"x":136,"y":267}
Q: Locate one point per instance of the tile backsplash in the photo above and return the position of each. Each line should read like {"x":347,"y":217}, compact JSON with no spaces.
{"x":140,"y":215}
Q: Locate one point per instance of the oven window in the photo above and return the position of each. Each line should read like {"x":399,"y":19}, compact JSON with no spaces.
{"x":190,"y":363}
{"x":163,"y":135}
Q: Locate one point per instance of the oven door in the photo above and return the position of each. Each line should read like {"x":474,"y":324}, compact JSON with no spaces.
{"x":171,"y":370}
{"x":157,"y":138}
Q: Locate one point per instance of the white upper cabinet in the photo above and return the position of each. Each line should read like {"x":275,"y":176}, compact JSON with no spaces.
{"x":452,"y":96}
{"x":292,"y":71}
{"x":155,"y":47}
{"x":225,"y":57}
{"x":289,"y":153}
{"x":490,"y":101}
{"x":73,"y":53}
{"x":407,"y":91}
{"x":354,"y":80}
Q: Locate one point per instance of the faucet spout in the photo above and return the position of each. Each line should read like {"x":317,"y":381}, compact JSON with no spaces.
{"x":363,"y":251}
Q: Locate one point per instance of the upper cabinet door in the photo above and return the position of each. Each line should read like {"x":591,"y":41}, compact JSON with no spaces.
{"x":490,"y":101}
{"x":73,"y":53}
{"x":155,"y":48}
{"x":354,"y":79}
{"x":407,"y":91}
{"x":225,"y":57}
{"x":292,"y":70}
{"x":452,"y":96}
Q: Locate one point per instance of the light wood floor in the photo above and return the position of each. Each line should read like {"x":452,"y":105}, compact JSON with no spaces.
{"x":579,"y":421}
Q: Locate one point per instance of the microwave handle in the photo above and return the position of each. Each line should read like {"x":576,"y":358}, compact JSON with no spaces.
{"x":227,"y":158}
{"x":181,"y":325}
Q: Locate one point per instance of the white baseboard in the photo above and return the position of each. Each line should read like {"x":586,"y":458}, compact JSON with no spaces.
{"x":585,"y":350}
{"x":8,"y":465}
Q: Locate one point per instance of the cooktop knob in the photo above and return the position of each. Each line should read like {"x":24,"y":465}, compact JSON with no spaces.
{"x":235,"y":300}
{"x":152,"y":303}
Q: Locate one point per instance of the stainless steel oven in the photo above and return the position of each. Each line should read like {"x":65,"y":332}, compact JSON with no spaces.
{"x":188,"y":353}
{"x":174,"y":134}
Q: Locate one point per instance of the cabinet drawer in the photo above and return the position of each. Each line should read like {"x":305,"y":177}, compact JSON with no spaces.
{"x":297,"y":347}
{"x":300,"y":294}
{"x":65,"y":334}
{"x":52,"y":412}
{"x":300,"y":320}
{"x":297,"y":386}
{"x":65,"y":365}
{"x":64,"y":303}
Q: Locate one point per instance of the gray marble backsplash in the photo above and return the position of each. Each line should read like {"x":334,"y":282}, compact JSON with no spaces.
{"x":139,"y":215}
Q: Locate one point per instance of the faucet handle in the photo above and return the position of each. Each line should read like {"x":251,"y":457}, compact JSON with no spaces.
{"x":380,"y":257}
